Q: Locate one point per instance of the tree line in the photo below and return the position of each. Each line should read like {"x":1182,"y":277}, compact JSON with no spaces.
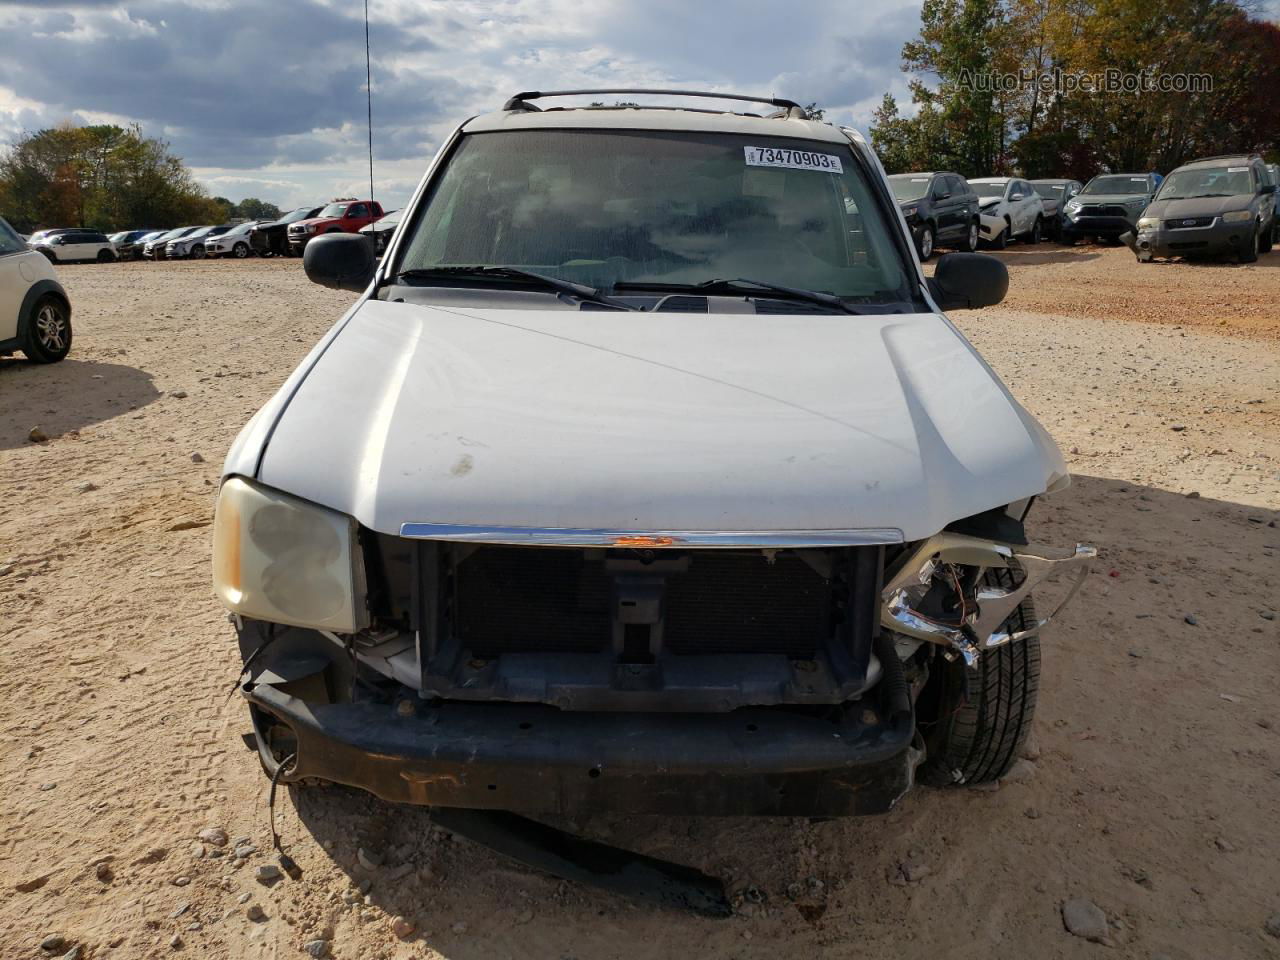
{"x":106,"y":177}
{"x":969,"y":116}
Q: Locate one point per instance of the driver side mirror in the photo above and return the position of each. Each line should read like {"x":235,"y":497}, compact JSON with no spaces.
{"x":1016,"y":196}
{"x":340,"y":261}
{"x":967,"y":281}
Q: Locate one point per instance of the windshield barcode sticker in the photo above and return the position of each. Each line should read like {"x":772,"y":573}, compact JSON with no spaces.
{"x":792,"y":159}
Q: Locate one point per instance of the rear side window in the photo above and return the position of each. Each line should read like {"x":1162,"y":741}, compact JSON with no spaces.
{"x":358,"y":210}
{"x":10,"y":242}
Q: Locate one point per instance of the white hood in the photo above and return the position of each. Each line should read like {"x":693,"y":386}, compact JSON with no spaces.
{"x":666,"y":421}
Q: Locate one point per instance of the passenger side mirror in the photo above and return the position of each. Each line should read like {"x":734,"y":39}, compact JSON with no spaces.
{"x":1016,"y":196}
{"x":340,"y":261}
{"x":967,"y":281}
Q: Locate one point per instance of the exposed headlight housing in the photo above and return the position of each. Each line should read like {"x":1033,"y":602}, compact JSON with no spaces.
{"x":1148,"y":223}
{"x":1073,"y":206}
{"x":283,"y":560}
{"x":1237,"y":216}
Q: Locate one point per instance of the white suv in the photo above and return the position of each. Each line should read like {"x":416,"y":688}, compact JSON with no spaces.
{"x":73,"y":245}
{"x":646,"y":474}
{"x":233,"y":243}
{"x":1008,"y":207}
{"x":35,"y":313}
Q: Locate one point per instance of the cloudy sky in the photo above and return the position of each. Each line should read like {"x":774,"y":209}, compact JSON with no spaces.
{"x":266,"y":98}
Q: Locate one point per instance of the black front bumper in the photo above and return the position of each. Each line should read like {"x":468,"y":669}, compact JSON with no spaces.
{"x":538,"y":759}
{"x":1097,"y":226}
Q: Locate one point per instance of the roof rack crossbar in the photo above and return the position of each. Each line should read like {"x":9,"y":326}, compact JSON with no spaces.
{"x":521,"y":100}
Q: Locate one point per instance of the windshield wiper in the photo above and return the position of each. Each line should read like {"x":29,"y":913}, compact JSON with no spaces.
{"x":579,"y":290}
{"x":721,"y":285}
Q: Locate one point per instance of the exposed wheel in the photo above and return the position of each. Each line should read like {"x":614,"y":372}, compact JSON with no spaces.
{"x":1249,"y":252}
{"x":1005,"y":235}
{"x":46,"y":333}
{"x":197,"y":252}
{"x":50,"y":256}
{"x":924,"y":242}
{"x":971,"y":238}
{"x":106,"y":256}
{"x":1266,"y":238}
{"x":1033,"y":235}
{"x":973,"y":736}
{"x":241,"y":250}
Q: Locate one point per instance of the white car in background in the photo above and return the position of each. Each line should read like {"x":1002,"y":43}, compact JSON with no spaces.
{"x":154,"y":248}
{"x":1009,"y":207}
{"x":77,"y":245}
{"x":193,"y":244}
{"x":35,"y":313}
{"x":233,"y":243}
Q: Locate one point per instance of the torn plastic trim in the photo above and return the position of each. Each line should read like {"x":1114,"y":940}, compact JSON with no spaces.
{"x":980,"y":629}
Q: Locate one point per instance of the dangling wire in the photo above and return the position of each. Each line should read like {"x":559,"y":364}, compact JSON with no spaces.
{"x":368,"y":88}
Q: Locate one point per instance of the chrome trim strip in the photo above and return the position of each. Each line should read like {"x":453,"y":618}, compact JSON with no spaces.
{"x":650,"y":539}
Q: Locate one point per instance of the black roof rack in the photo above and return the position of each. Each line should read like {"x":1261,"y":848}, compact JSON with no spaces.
{"x":521,"y":100}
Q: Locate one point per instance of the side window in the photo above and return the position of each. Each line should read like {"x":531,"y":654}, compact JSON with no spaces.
{"x":358,"y":210}
{"x":10,"y":242}
{"x":960,"y":186}
{"x":939,"y":188}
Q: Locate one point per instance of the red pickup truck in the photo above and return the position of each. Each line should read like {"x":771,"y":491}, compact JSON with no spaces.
{"x":339,"y":216}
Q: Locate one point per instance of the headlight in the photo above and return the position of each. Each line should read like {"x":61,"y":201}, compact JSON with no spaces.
{"x":1236,"y":216}
{"x":1148,"y":223}
{"x":1073,"y":206}
{"x":310,"y":228}
{"x":280,"y":559}
{"x":909,"y":212}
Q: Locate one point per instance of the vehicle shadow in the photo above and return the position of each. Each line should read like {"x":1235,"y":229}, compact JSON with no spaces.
{"x":1167,"y":582}
{"x":66,"y":396}
{"x":1038,"y":255}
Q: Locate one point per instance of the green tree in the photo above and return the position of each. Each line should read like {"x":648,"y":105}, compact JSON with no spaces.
{"x":251,"y":208}
{"x":101,"y":176}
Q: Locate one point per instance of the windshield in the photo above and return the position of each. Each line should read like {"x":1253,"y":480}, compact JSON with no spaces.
{"x":242,"y":229}
{"x":665,"y":208}
{"x":333,"y":210}
{"x":988,"y":189}
{"x":302,"y":213}
{"x":195,"y":234}
{"x":907,"y":187}
{"x":1206,"y":182}
{"x":1050,"y":191}
{"x":117,"y":237}
{"x":1116,"y":184}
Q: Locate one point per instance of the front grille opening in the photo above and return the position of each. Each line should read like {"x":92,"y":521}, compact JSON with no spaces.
{"x":522,"y":599}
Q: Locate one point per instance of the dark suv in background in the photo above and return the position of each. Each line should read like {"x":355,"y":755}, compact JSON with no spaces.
{"x":940,"y":208}
{"x":272,"y":238}
{"x":1210,"y":207}
{"x":1109,"y":205}
{"x":1055,"y":195}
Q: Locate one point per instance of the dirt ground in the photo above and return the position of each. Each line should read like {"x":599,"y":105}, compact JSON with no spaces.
{"x":1155,"y":787}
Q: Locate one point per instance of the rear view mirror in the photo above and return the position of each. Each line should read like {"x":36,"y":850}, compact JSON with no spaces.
{"x":340,"y":261}
{"x":967,"y":281}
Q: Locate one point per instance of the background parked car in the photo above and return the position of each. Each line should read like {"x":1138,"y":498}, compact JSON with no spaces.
{"x":1055,"y":195}
{"x":128,"y":243}
{"x":1109,"y":205}
{"x":192,"y":245}
{"x":380,"y":230}
{"x":272,"y":238}
{"x":35,"y":313}
{"x":1210,"y":207}
{"x":155,"y":249}
{"x":1010,"y":207}
{"x":940,"y":208}
{"x":77,"y":245}
{"x":340,"y":216}
{"x":233,"y":243}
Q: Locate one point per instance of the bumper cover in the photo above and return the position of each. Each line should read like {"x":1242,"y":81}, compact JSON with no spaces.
{"x":538,"y":759}
{"x":1216,"y":238}
{"x":1098,"y":226}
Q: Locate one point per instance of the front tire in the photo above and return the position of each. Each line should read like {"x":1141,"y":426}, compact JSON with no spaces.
{"x":46,"y":334}
{"x":106,"y":256}
{"x":974,"y":736}
{"x":1249,"y":252}
{"x":971,"y":238}
{"x":241,"y":250}
{"x":197,"y":252}
{"x":1266,"y":239}
{"x":1033,"y":235}
{"x":924,"y":242}
{"x":1002,"y":241}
